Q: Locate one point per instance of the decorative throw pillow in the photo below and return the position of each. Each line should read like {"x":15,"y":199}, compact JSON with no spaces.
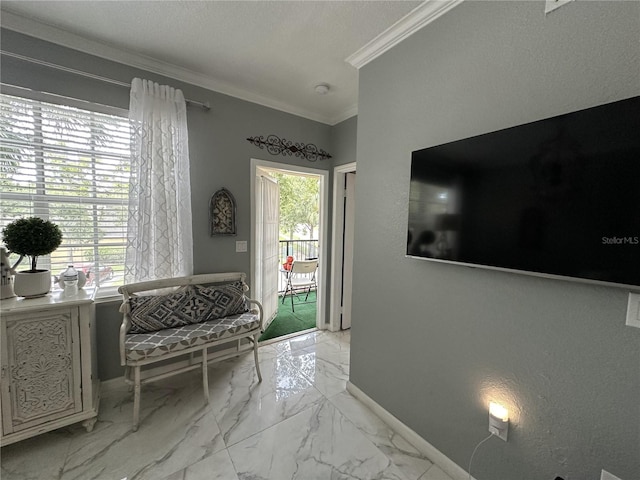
{"x":227,"y":299}
{"x":195,"y":305}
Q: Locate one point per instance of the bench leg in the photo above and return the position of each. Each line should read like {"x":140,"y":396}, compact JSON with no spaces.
{"x":205,"y":375}
{"x":127,"y":378}
{"x":255,"y":355}
{"x":136,"y":398}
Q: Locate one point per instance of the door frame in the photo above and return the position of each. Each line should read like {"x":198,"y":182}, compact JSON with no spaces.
{"x":257,"y":164}
{"x":337,"y":243}
{"x":263,"y":180}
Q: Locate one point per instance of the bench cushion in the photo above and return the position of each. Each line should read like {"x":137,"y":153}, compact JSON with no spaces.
{"x":140,"y":346}
{"x":194,"y":305}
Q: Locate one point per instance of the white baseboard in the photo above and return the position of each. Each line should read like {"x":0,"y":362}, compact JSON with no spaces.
{"x":448,"y":466}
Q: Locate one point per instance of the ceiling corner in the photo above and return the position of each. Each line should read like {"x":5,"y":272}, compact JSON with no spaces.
{"x":416,"y":19}
{"x":346,"y":114}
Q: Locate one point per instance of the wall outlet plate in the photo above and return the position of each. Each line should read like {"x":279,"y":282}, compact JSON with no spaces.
{"x":633,"y":310}
{"x":499,"y":427}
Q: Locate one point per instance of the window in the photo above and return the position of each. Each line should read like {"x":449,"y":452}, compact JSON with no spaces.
{"x":71,"y":166}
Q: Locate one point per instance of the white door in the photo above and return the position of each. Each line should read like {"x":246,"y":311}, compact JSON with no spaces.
{"x":268,"y":233}
{"x":347,"y":258}
{"x":262,"y":167}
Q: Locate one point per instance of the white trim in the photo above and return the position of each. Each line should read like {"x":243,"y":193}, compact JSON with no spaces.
{"x":419,"y":17}
{"x":551,"y":5}
{"x":287,"y":337}
{"x":108,"y":297}
{"x":346,"y":114}
{"x":17,"y":91}
{"x":337,"y":221}
{"x":256,"y":164}
{"x":448,"y":466}
{"x":49,"y":33}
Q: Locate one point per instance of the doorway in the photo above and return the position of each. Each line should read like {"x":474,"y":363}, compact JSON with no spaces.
{"x":267,"y":276}
{"x":342,"y":246}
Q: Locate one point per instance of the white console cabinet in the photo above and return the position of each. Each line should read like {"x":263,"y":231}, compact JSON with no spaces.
{"x":49,"y":375}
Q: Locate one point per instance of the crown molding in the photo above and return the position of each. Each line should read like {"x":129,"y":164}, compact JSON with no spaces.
{"x":49,"y":33}
{"x":346,"y":114}
{"x":413,"y":21}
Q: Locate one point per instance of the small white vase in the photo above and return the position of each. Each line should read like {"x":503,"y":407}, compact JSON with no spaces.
{"x":29,"y":285}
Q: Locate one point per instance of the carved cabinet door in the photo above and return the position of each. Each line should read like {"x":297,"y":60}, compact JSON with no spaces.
{"x":41,"y":378}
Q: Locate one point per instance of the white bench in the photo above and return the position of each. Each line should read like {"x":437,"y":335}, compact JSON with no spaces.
{"x":181,"y":319}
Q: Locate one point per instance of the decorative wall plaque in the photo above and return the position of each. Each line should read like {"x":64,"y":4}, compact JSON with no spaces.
{"x":222,"y":213}
{"x":281,"y":146}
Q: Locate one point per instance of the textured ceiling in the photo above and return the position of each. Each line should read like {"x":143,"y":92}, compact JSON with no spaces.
{"x":270,"y":52}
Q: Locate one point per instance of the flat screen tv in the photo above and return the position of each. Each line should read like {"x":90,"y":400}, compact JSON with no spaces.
{"x":557,"y":197}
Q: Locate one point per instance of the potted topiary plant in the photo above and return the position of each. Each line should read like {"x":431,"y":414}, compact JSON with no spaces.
{"x":32,"y":237}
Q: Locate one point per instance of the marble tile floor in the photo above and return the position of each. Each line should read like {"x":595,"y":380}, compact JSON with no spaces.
{"x":299,"y":423}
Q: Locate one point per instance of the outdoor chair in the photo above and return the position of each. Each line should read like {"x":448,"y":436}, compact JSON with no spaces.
{"x":302,"y":276}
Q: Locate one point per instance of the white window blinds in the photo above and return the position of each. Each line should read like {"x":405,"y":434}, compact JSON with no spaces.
{"x":70,"y":166}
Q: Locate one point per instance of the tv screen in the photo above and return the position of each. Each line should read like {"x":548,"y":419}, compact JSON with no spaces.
{"x":559,"y":196}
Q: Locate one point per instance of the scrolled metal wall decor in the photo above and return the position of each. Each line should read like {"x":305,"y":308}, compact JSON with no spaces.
{"x":281,"y":146}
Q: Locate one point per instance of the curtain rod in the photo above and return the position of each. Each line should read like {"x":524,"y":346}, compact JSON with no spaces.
{"x":205,"y":106}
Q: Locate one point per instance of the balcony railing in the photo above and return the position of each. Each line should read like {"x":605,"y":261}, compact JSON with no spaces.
{"x":298,"y":249}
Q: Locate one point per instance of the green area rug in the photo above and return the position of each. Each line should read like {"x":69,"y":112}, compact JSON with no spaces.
{"x":287,"y":322}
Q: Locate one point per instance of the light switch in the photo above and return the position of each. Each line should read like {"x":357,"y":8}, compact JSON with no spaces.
{"x":633,"y":310}
{"x":241,"y":246}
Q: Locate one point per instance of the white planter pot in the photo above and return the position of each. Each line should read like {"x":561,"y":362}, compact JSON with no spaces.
{"x":29,"y":285}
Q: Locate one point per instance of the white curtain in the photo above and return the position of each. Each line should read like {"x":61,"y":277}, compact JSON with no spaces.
{"x":159,"y":238}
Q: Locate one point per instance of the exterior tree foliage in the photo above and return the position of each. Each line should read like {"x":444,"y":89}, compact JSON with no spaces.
{"x":76,"y":150}
{"x":299,"y":204}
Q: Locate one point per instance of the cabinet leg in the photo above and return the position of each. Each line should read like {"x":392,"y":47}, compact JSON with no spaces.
{"x":89,"y":424}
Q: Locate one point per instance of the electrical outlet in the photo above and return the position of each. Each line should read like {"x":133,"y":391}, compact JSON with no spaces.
{"x":500,"y":432}
{"x":498,"y":421}
{"x":608,"y":476}
{"x":633,"y":310}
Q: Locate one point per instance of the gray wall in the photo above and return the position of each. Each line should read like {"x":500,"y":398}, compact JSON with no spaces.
{"x":220,"y":154}
{"x":433,"y":343}
{"x":343,"y":141}
{"x":343,"y":149}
